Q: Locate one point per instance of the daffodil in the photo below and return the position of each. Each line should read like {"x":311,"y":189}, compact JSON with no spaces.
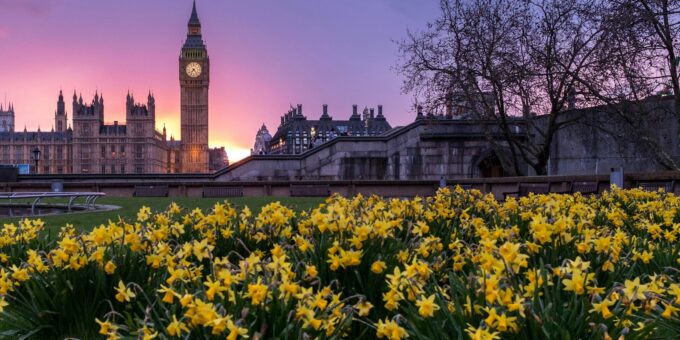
{"x":124,"y":293}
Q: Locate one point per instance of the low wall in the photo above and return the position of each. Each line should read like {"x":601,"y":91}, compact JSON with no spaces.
{"x":193,"y":187}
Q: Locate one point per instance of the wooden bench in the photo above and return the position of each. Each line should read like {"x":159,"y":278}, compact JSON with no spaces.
{"x":151,"y":191}
{"x":585,"y":188}
{"x":322,"y":190}
{"x":230,"y":191}
{"x":524,"y":189}
{"x":656,"y":185}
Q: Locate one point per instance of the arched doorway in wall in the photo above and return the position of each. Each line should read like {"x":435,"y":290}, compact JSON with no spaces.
{"x":492,"y":163}
{"x":491,"y":166}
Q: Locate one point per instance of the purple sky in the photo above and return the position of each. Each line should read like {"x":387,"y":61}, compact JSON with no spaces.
{"x":264,"y":56}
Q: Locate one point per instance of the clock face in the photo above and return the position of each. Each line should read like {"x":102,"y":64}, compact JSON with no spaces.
{"x":193,"y":69}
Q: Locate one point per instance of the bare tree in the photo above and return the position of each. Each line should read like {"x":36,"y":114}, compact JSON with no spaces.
{"x":638,"y":62}
{"x":525,"y":55}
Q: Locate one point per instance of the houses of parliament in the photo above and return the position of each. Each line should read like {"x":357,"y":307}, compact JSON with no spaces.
{"x":89,"y":145}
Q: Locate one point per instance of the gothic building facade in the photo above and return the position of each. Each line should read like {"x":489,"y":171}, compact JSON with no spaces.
{"x":262,"y":139}
{"x":297,"y":134}
{"x":92,"y":146}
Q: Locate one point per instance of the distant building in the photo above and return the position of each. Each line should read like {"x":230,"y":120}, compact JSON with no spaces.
{"x":297,"y":134}
{"x":262,"y":139}
{"x":93,"y":146}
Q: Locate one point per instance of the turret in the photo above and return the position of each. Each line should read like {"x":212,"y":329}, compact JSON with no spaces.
{"x":129,"y":104}
{"x":151,"y":105}
{"x":60,"y":116}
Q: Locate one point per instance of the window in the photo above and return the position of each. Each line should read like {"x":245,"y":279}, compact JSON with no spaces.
{"x":122,"y":169}
{"x":113,"y":169}
{"x":103,"y":151}
{"x":103,"y":169}
{"x":18,"y":154}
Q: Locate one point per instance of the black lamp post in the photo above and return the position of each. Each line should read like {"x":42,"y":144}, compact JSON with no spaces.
{"x":36,"y":158}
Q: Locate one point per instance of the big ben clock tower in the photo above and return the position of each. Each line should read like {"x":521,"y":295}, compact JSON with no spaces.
{"x":194,"y":78}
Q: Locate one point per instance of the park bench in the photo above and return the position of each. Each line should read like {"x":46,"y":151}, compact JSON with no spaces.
{"x":151,"y":191}
{"x":225,"y":191}
{"x":524,"y":189}
{"x":585,"y":188}
{"x":311,"y":190}
{"x":656,"y":185}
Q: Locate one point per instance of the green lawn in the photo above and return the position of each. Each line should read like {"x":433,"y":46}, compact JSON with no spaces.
{"x":130,"y":206}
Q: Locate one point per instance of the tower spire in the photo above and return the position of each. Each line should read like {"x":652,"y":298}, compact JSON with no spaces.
{"x":193,"y":20}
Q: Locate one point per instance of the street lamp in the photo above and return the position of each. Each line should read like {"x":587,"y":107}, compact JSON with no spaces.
{"x":36,"y":158}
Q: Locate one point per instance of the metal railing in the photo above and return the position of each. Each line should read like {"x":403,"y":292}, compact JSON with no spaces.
{"x":90,"y":198}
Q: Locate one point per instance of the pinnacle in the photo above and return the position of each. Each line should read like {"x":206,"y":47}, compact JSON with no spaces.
{"x":194,"y":16}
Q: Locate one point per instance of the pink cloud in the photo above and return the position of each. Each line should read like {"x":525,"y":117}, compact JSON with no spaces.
{"x":3,"y":32}
{"x":30,"y":6}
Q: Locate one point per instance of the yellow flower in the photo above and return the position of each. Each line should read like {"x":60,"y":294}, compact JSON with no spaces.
{"x":378,"y":267}
{"x":106,"y":327}
{"x":390,"y":330}
{"x":504,"y":322}
{"x":124,"y":293}
{"x":186,"y":300}
{"x":169,"y":294}
{"x":235,"y":331}
{"x":175,"y":328}
{"x":669,"y":310}
{"x":19,"y":274}
{"x":311,"y":272}
{"x":481,"y":333}
{"x":257,"y":292}
{"x":110,"y":267}
{"x":148,"y":334}
{"x":634,"y":290}
{"x":578,"y":282}
{"x":427,"y":306}
{"x":364,"y":307}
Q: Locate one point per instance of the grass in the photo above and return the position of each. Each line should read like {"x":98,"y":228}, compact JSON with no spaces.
{"x":130,"y":207}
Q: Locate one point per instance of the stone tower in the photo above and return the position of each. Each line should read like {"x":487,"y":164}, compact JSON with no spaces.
{"x":60,"y":117}
{"x":7,"y":119}
{"x":194,"y":78}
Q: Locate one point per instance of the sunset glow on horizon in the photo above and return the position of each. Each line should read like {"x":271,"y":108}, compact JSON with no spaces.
{"x":265,"y":56}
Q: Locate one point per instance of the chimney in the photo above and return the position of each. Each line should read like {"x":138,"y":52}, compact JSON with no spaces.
{"x":372,"y":113}
{"x":299,"y":109}
{"x":354,"y":110}
{"x":380,"y":113}
{"x":325,"y":109}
